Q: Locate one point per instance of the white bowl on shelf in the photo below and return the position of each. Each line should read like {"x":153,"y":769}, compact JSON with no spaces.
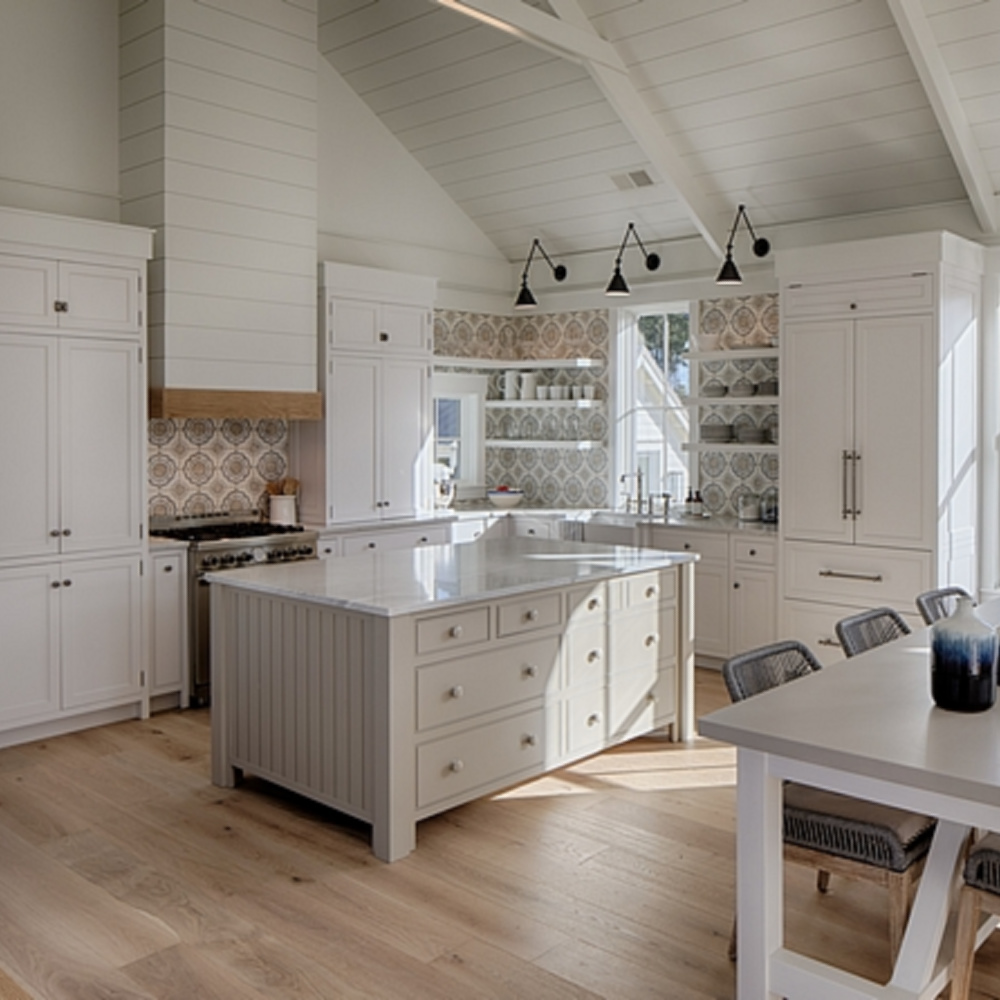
{"x":505,"y":498}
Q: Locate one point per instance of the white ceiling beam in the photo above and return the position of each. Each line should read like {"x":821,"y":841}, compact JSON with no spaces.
{"x":572,"y":36}
{"x":940,"y":89}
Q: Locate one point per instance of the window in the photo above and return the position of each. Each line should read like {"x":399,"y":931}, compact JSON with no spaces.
{"x":652,"y":420}
{"x":460,"y":432}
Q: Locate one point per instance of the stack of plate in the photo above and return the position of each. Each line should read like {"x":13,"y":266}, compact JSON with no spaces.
{"x":742,"y":387}
{"x":716,"y":433}
{"x":714,"y":389}
{"x":748,"y":434}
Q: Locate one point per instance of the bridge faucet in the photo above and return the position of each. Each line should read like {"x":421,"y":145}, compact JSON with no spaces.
{"x":637,"y":476}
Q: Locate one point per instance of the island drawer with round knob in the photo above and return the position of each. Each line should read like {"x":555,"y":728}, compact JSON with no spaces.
{"x":586,"y":722}
{"x":452,"y":690}
{"x":642,"y":639}
{"x":479,"y":758}
{"x":642,"y":590}
{"x":525,"y":614}
{"x":586,"y":655}
{"x":441,"y":633}
{"x":638,"y":700}
{"x":586,"y":604}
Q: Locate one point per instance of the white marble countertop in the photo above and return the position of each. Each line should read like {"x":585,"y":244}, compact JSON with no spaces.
{"x":402,"y":582}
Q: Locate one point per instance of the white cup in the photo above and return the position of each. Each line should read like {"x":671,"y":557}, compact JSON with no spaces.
{"x":589,"y":392}
{"x":541,"y":392}
{"x":578,"y":392}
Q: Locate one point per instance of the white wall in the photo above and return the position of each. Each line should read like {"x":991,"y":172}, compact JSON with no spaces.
{"x":378,"y":207}
{"x":59,"y":106}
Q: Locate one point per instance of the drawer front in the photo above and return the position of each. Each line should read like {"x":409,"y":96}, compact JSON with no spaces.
{"x":586,"y":656}
{"x":857,"y":575}
{"x":639,"y":701}
{"x":383,"y":541}
{"x":533,"y":611}
{"x":468,"y":530}
{"x":642,"y":590}
{"x":458,"y":764}
{"x":898,"y":293}
{"x":463,"y":688}
{"x":443,"y":633}
{"x":586,"y":722}
{"x":756,"y":553}
{"x":586,"y":605}
{"x":707,"y":545}
{"x":641,"y":640}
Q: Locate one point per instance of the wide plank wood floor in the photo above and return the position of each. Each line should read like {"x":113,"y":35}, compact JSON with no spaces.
{"x":124,"y":873}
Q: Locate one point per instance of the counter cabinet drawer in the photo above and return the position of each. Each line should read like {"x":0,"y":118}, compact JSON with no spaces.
{"x":642,"y":590}
{"x":442,"y":633}
{"x":708,"y":545}
{"x":586,"y":604}
{"x":463,"y":688}
{"x":481,"y":757}
{"x":911,"y":292}
{"x":525,"y":614}
{"x":586,"y":722}
{"x":756,"y":553}
{"x":642,"y":640}
{"x":586,"y":656}
{"x":639,"y":701}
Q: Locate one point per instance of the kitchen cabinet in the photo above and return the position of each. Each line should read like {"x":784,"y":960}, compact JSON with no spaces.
{"x":37,"y":292}
{"x":753,"y":593}
{"x":395,"y":538}
{"x":168,"y":628}
{"x":71,"y":433}
{"x":879,"y":460}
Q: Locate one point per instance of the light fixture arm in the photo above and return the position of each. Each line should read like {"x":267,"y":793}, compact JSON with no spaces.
{"x":525,"y":299}
{"x":761,"y":247}
{"x":652,"y":259}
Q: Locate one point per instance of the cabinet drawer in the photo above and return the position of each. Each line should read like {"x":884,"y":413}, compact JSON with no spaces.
{"x":893,"y":294}
{"x":486,"y":755}
{"x":854,"y":574}
{"x":462,"y":688}
{"x":586,"y":722}
{"x":530,"y":612}
{"x":452,"y":631}
{"x":707,"y":545}
{"x":468,"y":529}
{"x":757,"y":553}
{"x":640,"y":640}
{"x":642,"y":590}
{"x":639,"y":701}
{"x":388,"y":540}
{"x":585,"y":656}
{"x":585,"y":605}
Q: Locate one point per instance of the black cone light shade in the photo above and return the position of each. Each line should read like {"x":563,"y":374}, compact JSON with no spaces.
{"x":525,"y":298}
{"x":617,"y":286}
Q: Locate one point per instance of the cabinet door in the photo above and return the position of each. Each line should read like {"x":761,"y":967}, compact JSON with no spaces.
{"x":29,"y":676}
{"x":353,"y":324}
{"x":895,"y":434}
{"x":100,"y":631}
{"x":351,"y":401}
{"x":100,"y":298}
{"x":753,"y":618}
{"x":101,"y":445}
{"x":817,"y":431}
{"x":168,"y":655}
{"x":29,"y":438}
{"x":711,"y":608}
{"x":404,"y":328}
{"x":405,"y":438}
{"x":28,"y":291}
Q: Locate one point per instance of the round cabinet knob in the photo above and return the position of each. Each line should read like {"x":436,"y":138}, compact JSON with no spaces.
{"x":530,"y":670}
{"x":753,"y":552}
{"x":531,"y":615}
{"x":593,"y":656}
{"x":736,"y":585}
{"x":854,"y":305}
{"x":457,"y":691}
{"x":687,"y":545}
{"x":55,"y":584}
{"x":651,"y":697}
{"x":423,"y":539}
{"x":55,"y":533}
{"x":67,"y":532}
{"x":529,"y":739}
{"x":594,"y":718}
{"x":455,"y":631}
{"x":651,"y":591}
{"x":593,"y":604}
{"x":67,"y":583}
{"x":531,"y":531}
{"x":455,"y":766}
{"x":652,"y":640}
{"x":328,"y":552}
{"x":168,"y":568}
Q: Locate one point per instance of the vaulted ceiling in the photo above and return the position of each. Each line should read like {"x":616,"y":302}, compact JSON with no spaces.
{"x":565,"y":119}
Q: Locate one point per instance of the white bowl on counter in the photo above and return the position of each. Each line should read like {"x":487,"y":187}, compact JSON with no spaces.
{"x":505,"y":498}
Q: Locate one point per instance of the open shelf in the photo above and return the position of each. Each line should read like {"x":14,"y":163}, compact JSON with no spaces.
{"x":493,"y":364}
{"x":756,"y":352}
{"x":543,"y":445}
{"x":537,"y":404}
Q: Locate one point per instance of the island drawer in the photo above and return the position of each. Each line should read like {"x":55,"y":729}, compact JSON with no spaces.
{"x":642,"y":639}
{"x":586,"y":716}
{"x":533,"y":611}
{"x":642,"y":590}
{"x":441,"y":633}
{"x":586,"y":604}
{"x":640,"y":700}
{"x":479,"y":757}
{"x":463,"y":688}
{"x":585,"y":656}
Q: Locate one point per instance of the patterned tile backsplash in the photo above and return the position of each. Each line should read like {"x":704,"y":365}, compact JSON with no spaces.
{"x":201,"y":466}
{"x":572,"y":470}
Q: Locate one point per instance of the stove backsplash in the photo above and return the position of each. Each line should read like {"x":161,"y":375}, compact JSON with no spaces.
{"x":201,"y":466}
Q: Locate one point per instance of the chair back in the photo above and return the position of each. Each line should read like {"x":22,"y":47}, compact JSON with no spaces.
{"x":868,"y":629}
{"x":934,"y":605}
{"x":760,"y":669}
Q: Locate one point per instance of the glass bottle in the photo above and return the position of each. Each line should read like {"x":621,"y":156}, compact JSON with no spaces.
{"x":963,"y":661}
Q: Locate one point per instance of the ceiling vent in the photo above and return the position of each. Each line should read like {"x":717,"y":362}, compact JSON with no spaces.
{"x":633,"y":179}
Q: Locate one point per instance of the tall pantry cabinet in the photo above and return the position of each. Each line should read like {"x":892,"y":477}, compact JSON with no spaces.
{"x":369,"y":458}
{"x":879,"y":445}
{"x":72,"y":447}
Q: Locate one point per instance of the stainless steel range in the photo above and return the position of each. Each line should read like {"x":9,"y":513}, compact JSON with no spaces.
{"x":223,"y":542}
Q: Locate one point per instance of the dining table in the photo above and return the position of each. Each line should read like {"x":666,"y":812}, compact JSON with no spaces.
{"x":868,"y":727}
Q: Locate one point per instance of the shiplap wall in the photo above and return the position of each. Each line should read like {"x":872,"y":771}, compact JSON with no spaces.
{"x":219,"y":154}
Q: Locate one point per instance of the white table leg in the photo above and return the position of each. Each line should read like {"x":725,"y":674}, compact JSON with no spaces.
{"x":759,"y":874}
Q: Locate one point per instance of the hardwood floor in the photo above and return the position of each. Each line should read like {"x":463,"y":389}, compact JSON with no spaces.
{"x":125,"y":874}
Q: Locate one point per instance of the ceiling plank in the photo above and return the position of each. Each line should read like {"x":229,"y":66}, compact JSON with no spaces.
{"x":930,"y":66}
{"x":571,"y":35}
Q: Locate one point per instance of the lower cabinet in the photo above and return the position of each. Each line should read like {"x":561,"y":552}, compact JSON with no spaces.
{"x":168,"y":630}
{"x":753,"y":594}
{"x":343,"y":543}
{"x":72,"y":638}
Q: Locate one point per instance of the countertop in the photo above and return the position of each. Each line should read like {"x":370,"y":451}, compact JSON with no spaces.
{"x":402,"y":582}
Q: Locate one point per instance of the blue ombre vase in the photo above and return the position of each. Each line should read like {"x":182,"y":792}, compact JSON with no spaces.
{"x":963,"y":661}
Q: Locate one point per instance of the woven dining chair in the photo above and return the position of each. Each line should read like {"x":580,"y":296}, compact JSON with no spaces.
{"x":980,"y":891}
{"x":934,"y":605}
{"x":829,"y":832}
{"x":868,"y":629}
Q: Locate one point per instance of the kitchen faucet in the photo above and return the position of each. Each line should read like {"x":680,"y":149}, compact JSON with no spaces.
{"x":637,"y":476}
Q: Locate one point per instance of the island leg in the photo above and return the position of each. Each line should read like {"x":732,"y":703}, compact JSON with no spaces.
{"x":684,"y":730}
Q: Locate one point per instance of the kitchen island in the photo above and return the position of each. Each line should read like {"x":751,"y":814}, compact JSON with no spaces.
{"x":394,"y":685}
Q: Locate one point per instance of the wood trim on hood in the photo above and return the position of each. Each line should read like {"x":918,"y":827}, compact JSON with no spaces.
{"x":221,"y":403}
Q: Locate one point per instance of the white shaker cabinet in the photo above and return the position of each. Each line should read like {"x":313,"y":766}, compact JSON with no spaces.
{"x":168,"y":628}
{"x":71,"y":434}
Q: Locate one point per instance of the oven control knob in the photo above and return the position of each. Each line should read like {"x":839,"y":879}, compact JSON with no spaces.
{"x":228,"y":559}
{"x":259,"y":555}
{"x":244,"y":557}
{"x":272,"y":556}
{"x":307,"y":550}
{"x":210,"y":561}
